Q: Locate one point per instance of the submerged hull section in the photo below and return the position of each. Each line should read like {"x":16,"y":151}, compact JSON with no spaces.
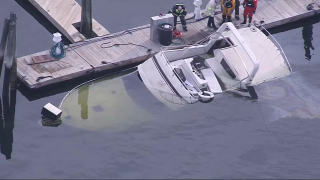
{"x":162,"y":83}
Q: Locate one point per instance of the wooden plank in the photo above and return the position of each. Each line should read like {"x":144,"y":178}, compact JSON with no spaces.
{"x":261,"y":11}
{"x":295,"y":7}
{"x":67,"y":68}
{"x":63,"y":14}
{"x":281,"y":9}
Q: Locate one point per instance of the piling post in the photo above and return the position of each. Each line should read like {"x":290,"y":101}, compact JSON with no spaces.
{"x":9,"y":89}
{"x":3,"y":42}
{"x":8,"y":58}
{"x":86,"y":18}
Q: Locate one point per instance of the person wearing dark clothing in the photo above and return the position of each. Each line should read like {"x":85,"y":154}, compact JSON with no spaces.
{"x":250,"y":7}
{"x":237,"y":9}
{"x":179,"y":10}
{"x":307,"y":32}
{"x":210,"y":10}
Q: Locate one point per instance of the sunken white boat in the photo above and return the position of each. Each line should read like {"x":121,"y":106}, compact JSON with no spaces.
{"x":228,"y":59}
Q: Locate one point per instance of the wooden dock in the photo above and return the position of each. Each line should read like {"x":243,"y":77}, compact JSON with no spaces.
{"x":94,"y":55}
{"x":65,"y":15}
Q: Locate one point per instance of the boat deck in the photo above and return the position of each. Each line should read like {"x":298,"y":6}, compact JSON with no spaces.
{"x":101,"y":54}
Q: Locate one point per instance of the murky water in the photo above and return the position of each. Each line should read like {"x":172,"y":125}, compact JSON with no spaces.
{"x":117,"y":129}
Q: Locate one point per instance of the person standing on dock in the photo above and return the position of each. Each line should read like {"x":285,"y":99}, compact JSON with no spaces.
{"x":237,"y":9}
{"x":179,"y":10}
{"x":250,"y":7}
{"x":227,"y":7}
{"x":210,"y":10}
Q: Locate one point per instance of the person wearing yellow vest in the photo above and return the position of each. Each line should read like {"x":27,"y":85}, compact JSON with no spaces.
{"x":210,"y":10}
{"x":227,"y":6}
{"x":179,"y":10}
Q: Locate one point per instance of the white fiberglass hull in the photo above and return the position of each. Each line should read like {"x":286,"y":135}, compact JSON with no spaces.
{"x":162,"y":83}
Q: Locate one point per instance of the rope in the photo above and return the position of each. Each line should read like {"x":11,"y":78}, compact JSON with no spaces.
{"x":124,"y":44}
{"x":119,"y":34}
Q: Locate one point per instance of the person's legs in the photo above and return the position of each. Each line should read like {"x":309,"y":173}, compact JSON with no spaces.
{"x":175,"y":18}
{"x":184,"y":23}
{"x":213,"y":24}
{"x":237,"y":9}
{"x":224,"y":15}
{"x":229,"y":12}
{"x":245,"y":14}
{"x":210,"y":21}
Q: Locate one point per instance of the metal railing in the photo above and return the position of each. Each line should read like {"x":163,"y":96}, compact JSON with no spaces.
{"x":276,"y":43}
{"x":174,"y":73}
{"x":183,"y":47}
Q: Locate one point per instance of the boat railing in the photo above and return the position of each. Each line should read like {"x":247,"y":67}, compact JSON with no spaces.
{"x":183,"y":47}
{"x":174,"y":73}
{"x":172,"y":98}
{"x":276,"y":43}
{"x":233,"y":48}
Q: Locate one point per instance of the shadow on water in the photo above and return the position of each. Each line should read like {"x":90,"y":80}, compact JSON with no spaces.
{"x":6,"y":137}
{"x":307,"y":32}
{"x":83,"y":96}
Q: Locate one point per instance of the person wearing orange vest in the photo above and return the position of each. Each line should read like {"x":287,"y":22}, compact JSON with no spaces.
{"x":250,"y":7}
{"x":227,"y":6}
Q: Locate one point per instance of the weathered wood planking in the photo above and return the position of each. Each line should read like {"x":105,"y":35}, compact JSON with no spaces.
{"x":64,"y":14}
{"x":88,"y":56}
{"x":67,"y":68}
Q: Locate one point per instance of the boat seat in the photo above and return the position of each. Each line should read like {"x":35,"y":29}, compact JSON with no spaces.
{"x":213,"y":83}
{"x":191,"y":75}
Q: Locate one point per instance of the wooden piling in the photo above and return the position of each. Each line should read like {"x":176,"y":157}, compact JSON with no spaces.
{"x":86,"y":18}
{"x":8,"y":58}
{"x":9,"y":89}
{"x":13,"y":72}
{"x":3,"y":42}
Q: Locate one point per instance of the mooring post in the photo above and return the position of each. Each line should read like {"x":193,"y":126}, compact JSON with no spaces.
{"x":9,"y":89}
{"x":86,"y":18}
{"x":3,"y":42}
{"x":10,"y":69}
{"x":13,"y":73}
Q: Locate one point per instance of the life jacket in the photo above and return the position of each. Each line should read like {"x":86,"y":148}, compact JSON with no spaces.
{"x":227,"y":4}
{"x":249,"y":3}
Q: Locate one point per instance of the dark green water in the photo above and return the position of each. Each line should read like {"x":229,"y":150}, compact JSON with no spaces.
{"x":138,"y":137}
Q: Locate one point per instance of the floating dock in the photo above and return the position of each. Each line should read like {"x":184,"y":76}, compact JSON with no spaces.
{"x":65,"y":15}
{"x":103,"y":53}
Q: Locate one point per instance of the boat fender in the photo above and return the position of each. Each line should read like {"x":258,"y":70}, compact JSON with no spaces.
{"x":206,"y":95}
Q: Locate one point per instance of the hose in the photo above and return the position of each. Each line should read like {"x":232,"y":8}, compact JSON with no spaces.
{"x":53,"y":51}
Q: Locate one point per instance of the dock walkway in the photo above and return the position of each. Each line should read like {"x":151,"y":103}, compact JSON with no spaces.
{"x":65,"y":15}
{"x":100,"y":54}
